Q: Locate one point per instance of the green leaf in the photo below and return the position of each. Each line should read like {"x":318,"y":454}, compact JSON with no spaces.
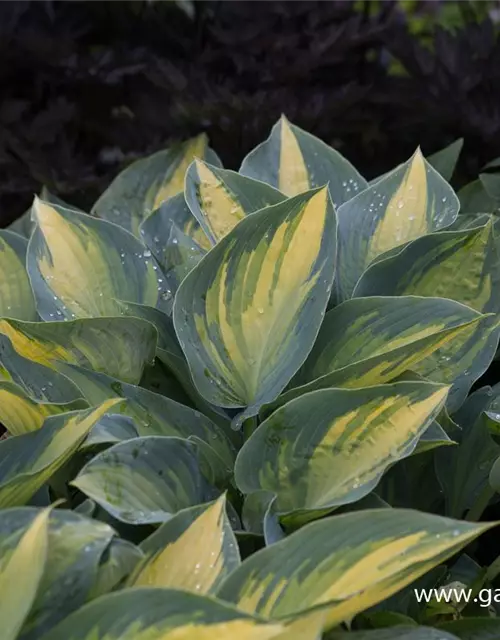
{"x":29,"y":460}
{"x":345,"y":564}
{"x":410,"y":202}
{"x":16,"y":296}
{"x":463,"y":266}
{"x":194,"y":551}
{"x":79,"y":266}
{"x":74,"y":547}
{"x":119,"y":560}
{"x":167,"y":614}
{"x":445,"y":161}
{"x":20,"y":575}
{"x":331,"y":447}
{"x":37,"y":381}
{"x":399,"y":632}
{"x":219,"y":198}
{"x":119,"y":347}
{"x":294,"y":161}
{"x":472,"y":628}
{"x":475,"y":199}
{"x":491,"y":184}
{"x":145,"y":480}
{"x":154,"y":414}
{"x":175,"y":238}
{"x":463,"y":470}
{"x":145,"y":184}
{"x":20,"y":414}
{"x":249,"y":312}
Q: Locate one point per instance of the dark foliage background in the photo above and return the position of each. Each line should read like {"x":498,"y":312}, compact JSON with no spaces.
{"x":88,"y":86}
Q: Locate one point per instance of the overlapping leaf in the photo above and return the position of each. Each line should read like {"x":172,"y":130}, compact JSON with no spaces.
{"x":294,"y":161}
{"x":409,"y":202}
{"x":346,"y":563}
{"x":175,"y":238}
{"x":28,"y":460}
{"x":16,"y":296}
{"x":145,"y":480}
{"x":331,"y":447}
{"x":21,"y":414}
{"x":461,"y":265}
{"x":119,"y":347}
{"x":79,"y":266}
{"x":170,"y":354}
{"x":193,"y":551}
{"x":37,"y":381}
{"x":74,"y":548}
{"x":219,"y":199}
{"x":165,"y":614}
{"x":249,"y":312}
{"x":366,"y":341}
{"x":145,"y":184}
{"x":155,"y":414}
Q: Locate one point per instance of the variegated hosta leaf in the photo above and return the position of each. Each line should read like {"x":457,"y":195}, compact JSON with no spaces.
{"x":145,"y":184}
{"x":155,"y":414}
{"x":21,"y":572}
{"x":345,"y":564}
{"x":74,"y":547}
{"x":79,"y":266}
{"x":463,"y":266}
{"x":249,"y":312}
{"x":367,"y":341}
{"x":16,"y":296}
{"x":145,"y":480}
{"x":294,"y":161}
{"x":170,"y":354}
{"x":409,"y":202}
{"x":37,"y":381}
{"x":331,"y":447}
{"x":167,"y":614}
{"x":120,"y":346}
{"x":29,"y":460}
{"x":175,"y":238}
{"x":21,"y":414}
{"x":219,"y":198}
{"x":193,"y":553}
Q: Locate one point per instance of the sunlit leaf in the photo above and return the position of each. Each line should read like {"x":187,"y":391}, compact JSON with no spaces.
{"x":219,"y":199}
{"x":294,"y":161}
{"x":28,"y":460}
{"x":79,"y":266}
{"x":248,"y":313}
{"x":16,"y":296}
{"x":145,"y":184}
{"x":345,"y":564}
{"x":119,"y":347}
{"x":410,"y":202}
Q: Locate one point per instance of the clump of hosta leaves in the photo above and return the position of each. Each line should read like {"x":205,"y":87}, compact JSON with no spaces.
{"x":239,"y":404}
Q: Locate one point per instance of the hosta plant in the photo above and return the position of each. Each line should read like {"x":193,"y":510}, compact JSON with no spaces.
{"x":244,"y":404}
